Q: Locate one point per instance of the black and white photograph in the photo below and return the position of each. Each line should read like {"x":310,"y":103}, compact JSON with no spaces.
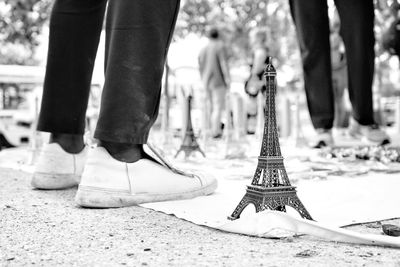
{"x":200,"y":133}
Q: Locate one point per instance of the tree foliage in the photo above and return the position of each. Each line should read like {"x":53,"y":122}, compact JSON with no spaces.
{"x":21,"y":23}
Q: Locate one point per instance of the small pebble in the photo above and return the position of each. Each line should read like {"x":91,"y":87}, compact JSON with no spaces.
{"x":391,"y":230}
{"x":306,"y":253}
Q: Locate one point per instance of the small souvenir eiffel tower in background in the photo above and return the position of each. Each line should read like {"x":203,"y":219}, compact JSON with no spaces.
{"x":189,"y":143}
{"x":270,"y":188}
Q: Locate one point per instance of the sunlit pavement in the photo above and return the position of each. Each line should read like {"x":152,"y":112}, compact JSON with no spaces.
{"x":47,"y":228}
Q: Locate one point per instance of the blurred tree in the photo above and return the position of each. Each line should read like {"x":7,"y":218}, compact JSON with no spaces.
{"x":21,"y":23}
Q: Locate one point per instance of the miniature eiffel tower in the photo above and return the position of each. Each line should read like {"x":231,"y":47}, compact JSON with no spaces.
{"x":189,"y":143}
{"x":270,"y":188}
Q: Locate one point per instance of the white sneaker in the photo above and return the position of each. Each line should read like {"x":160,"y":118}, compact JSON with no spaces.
{"x":323,"y":138}
{"x":107,"y":182}
{"x":57,"y":169}
{"x":368,"y":133}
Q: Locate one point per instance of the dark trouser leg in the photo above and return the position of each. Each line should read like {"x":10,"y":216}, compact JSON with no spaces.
{"x":137,"y":40}
{"x":75,"y":27}
{"x":312,"y":26}
{"x":357,"y":30}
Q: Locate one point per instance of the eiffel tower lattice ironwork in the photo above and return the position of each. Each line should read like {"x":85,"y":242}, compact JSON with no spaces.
{"x":189,"y":143}
{"x":270,"y":188}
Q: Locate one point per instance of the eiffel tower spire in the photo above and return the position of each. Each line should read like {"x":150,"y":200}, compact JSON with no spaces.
{"x":270,"y":145}
{"x":270,"y":187}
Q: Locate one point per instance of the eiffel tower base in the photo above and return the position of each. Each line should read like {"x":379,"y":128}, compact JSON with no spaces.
{"x":189,"y":150}
{"x":273,"y":198}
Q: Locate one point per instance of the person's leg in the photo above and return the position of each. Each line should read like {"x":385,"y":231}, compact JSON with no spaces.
{"x":118,"y":173}
{"x":312,"y":26}
{"x":218,"y":104}
{"x":208,"y":111}
{"x":357,"y":30}
{"x":75,"y":28}
{"x":339,"y":77}
{"x":211,"y":110}
{"x":138,"y":34}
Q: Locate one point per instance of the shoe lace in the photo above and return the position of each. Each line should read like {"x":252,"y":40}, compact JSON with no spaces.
{"x":160,"y":155}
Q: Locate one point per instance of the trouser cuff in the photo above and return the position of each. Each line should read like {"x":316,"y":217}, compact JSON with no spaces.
{"x":121,"y":138}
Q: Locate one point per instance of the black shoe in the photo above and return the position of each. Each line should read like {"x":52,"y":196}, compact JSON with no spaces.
{"x":324,"y":138}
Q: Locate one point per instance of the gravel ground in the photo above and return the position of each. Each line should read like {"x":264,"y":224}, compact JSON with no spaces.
{"x":46,"y":228}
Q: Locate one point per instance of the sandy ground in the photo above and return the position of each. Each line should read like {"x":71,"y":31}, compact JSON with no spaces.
{"x":46,"y":228}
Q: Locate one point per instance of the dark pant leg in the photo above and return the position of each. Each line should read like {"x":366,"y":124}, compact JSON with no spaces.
{"x":312,"y":26}
{"x":357,"y":30}
{"x":75,"y":27}
{"x":138,"y":34}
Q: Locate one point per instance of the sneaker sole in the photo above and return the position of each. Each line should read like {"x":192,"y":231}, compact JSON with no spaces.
{"x":367,"y":141}
{"x":375,"y":143}
{"x":52,"y":181}
{"x":90,"y":197}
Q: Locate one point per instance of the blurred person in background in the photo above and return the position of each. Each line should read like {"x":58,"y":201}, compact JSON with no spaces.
{"x":391,"y":37}
{"x":122,"y":170}
{"x":312,"y":26}
{"x":339,"y":76}
{"x":255,"y":83}
{"x":214,"y":72}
